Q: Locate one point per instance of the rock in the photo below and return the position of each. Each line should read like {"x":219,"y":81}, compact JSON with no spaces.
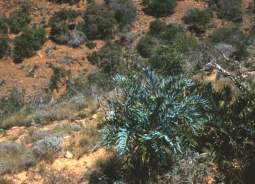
{"x":68,"y":155}
{"x":226,"y":49}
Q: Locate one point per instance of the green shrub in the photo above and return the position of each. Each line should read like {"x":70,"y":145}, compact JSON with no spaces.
{"x":167,"y":59}
{"x":3,"y":25}
{"x":227,"y":9}
{"x":125,"y":12}
{"x":159,"y":8}
{"x":65,"y":1}
{"x":154,"y":119}
{"x":162,"y":34}
{"x":99,"y":22}
{"x":108,"y":58}
{"x":12,"y":103}
{"x":63,"y":28}
{"x":157,"y":26}
{"x":19,"y":20}
{"x":28,"y":43}
{"x":4,"y":47}
{"x":199,"y":19}
{"x":147,"y":46}
{"x":58,"y":73}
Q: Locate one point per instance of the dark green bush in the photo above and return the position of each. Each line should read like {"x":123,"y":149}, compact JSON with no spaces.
{"x":147,"y":46}
{"x":227,"y":9}
{"x":19,"y":20}
{"x":108,"y":58}
{"x":124,"y":11}
{"x":3,"y":25}
{"x":65,"y":1}
{"x":4,"y":46}
{"x":157,"y":26}
{"x":58,"y":73}
{"x":28,"y":43}
{"x":12,"y":103}
{"x":99,"y":22}
{"x":153,"y":120}
{"x":63,"y":28}
{"x":167,"y":60}
{"x":159,"y":8}
{"x":198,"y":19}
{"x":162,"y":34}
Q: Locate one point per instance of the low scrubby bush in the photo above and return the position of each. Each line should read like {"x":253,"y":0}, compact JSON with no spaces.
{"x":108,"y":58}
{"x":159,"y":8}
{"x":125,"y":12}
{"x":99,"y":22}
{"x":64,"y":29}
{"x":58,"y":74}
{"x":227,"y":9}
{"x":167,"y":59}
{"x":3,"y":25}
{"x":147,"y":46}
{"x":28,"y":43}
{"x":198,"y":19}
{"x":4,"y":47}
{"x":19,"y":20}
{"x":153,"y":120}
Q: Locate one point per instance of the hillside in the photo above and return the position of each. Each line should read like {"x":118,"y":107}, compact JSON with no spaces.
{"x":80,"y":102}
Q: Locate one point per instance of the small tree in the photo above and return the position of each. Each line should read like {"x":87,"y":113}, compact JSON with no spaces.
{"x":159,"y":8}
{"x":154,"y":118}
{"x":28,"y":43}
{"x":4,"y":46}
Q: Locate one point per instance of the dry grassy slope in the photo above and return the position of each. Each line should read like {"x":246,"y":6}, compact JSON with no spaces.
{"x":18,"y":75}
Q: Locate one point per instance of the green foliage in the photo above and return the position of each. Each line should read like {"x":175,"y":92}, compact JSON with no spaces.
{"x":167,"y":60}
{"x":11,"y":104}
{"x":3,"y":25}
{"x":159,"y":8}
{"x":4,"y":46}
{"x":232,"y":135}
{"x":160,"y":33}
{"x":125,"y":12}
{"x":99,"y":22}
{"x":154,"y":118}
{"x":227,"y":9}
{"x":157,"y":26}
{"x":65,"y":1}
{"x":19,"y":20}
{"x":28,"y":43}
{"x":63,"y":28}
{"x":232,"y":36}
{"x":198,"y":19}
{"x":58,"y":73}
{"x":147,"y":46}
{"x":108,"y":58}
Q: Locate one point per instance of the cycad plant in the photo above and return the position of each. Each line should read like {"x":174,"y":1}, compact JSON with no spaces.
{"x":152,"y":119}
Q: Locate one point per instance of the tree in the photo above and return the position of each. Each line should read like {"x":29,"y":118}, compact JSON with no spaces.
{"x":153,"y":118}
